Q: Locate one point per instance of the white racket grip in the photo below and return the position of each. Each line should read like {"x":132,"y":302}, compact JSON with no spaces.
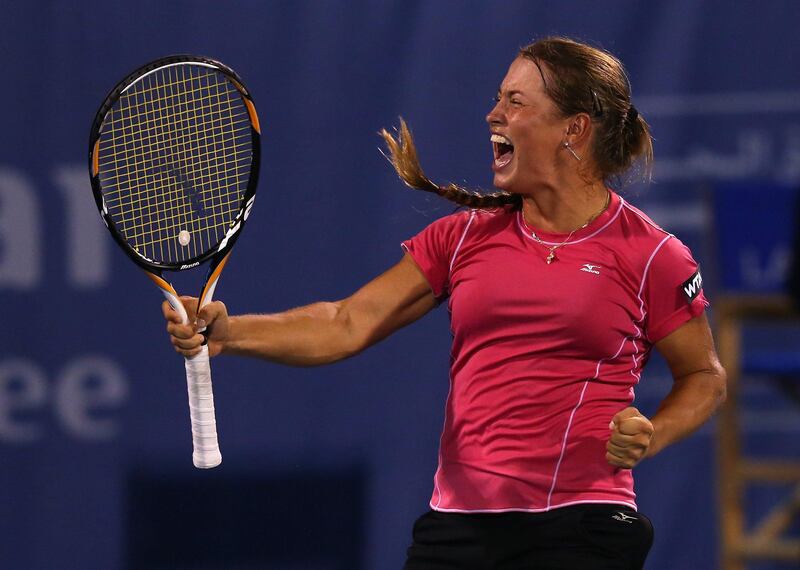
{"x":206,"y":452}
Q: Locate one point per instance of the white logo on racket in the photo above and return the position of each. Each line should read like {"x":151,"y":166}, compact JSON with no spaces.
{"x":237,"y":225}
{"x":249,"y":206}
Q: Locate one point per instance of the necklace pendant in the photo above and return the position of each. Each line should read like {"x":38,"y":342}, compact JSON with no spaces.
{"x":550,"y":257}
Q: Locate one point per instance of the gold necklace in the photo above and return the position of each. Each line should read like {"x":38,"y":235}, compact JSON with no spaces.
{"x":551,"y":254}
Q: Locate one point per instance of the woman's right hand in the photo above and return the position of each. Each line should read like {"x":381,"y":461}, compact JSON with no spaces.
{"x":185,"y":338}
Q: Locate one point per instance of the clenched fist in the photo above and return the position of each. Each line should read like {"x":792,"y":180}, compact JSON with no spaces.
{"x":631,"y":434}
{"x":186,"y":338}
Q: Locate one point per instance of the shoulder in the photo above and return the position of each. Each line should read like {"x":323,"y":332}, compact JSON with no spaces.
{"x":485,"y":222}
{"x":473,"y":222}
{"x":674,"y":255}
{"x":662,"y":255}
{"x":452,"y":221}
{"x":640,"y":223}
{"x":642,"y":238}
{"x":648,"y":253}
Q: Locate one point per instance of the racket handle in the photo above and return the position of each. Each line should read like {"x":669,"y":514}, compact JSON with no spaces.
{"x":206,"y":452}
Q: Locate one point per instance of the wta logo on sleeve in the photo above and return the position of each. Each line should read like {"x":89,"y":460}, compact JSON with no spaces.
{"x":692,"y":286}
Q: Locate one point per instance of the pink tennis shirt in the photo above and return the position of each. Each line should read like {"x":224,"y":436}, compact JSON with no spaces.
{"x":544,"y":356}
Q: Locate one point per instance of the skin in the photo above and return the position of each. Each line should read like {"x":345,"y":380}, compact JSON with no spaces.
{"x":559,"y":195}
{"x":559,"y":192}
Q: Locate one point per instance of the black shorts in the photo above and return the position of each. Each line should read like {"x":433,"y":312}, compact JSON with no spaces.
{"x":580,"y":537}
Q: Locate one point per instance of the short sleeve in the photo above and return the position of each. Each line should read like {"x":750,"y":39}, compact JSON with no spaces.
{"x":434,"y":248}
{"x":673,"y":291}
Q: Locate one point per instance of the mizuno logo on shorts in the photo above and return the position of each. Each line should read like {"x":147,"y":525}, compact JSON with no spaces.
{"x":622,"y":517}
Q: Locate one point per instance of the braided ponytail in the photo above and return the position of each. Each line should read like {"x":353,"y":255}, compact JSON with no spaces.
{"x":403,"y":156}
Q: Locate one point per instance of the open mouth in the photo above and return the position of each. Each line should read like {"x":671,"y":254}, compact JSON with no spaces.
{"x":503,"y":150}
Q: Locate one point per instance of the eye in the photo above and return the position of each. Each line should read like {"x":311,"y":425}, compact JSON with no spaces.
{"x":496,"y":98}
{"x":516,"y":102}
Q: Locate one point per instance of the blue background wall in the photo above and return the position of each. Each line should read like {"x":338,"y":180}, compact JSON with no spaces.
{"x":324,"y":468}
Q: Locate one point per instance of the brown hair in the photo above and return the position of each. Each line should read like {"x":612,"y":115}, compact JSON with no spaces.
{"x":578,"y":78}
{"x":583,"y":79}
{"x":403,"y":156}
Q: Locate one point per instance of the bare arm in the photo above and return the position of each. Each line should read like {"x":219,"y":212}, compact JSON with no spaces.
{"x":699,"y":383}
{"x":319,"y":333}
{"x":697,"y":391}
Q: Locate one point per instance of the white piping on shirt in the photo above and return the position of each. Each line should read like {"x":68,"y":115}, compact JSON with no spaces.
{"x":599,"y":363}
{"x":564,"y":443}
{"x":450,"y":388}
{"x":464,"y":235}
{"x":642,"y":312}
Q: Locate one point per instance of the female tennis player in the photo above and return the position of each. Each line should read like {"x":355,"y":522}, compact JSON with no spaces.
{"x":558,"y":291}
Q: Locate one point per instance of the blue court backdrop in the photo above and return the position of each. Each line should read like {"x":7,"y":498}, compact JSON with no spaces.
{"x":323,"y":468}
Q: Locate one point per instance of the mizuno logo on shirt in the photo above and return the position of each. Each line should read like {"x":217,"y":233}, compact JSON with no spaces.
{"x":589,"y":268}
{"x":692,"y":286}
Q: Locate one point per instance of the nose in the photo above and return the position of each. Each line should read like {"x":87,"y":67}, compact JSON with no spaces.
{"x":495,"y":116}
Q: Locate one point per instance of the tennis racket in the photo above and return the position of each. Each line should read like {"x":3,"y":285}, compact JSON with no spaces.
{"x":173,"y":157}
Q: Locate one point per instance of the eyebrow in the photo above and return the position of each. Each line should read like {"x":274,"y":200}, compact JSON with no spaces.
{"x":510,"y":92}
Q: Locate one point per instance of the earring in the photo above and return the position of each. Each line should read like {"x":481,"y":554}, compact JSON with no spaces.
{"x":569,"y":148}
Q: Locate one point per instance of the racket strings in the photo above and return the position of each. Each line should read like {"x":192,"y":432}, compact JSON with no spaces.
{"x":185,"y":154}
{"x":122,"y":176}
{"x":174,"y":157}
{"x":173,"y":181}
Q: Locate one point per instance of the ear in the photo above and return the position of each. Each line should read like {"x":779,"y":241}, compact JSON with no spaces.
{"x":579,"y":129}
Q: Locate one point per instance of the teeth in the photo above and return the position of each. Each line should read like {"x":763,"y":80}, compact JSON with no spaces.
{"x":501,"y":139}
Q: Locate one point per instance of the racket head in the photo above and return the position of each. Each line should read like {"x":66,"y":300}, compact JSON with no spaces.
{"x":174,"y":152}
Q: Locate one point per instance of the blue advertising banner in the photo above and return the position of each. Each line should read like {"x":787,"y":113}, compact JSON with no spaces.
{"x":324,"y":468}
